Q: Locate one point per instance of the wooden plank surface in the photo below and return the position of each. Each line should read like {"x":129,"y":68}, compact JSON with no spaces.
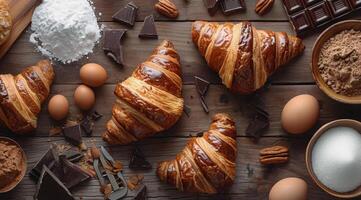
{"x":253,"y":181}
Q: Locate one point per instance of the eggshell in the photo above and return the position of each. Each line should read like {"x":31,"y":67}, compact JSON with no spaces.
{"x":93,"y":75}
{"x":58,"y":107}
{"x":300,"y":114}
{"x":289,"y":189}
{"x":84,"y":97}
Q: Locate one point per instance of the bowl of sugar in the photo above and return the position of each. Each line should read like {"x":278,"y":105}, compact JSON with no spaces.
{"x":333,"y":158}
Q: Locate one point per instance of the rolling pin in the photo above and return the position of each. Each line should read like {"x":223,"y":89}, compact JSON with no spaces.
{"x":21,"y":12}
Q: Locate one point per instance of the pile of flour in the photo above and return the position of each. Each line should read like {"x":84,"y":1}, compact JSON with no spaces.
{"x":65,"y":30}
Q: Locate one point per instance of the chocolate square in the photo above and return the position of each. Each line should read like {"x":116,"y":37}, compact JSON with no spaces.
{"x":355,"y":3}
{"x":293,"y":6}
{"x":339,"y":7}
{"x":232,"y":6}
{"x":73,"y":134}
{"x":301,"y":22}
{"x":127,"y":14}
{"x":149,"y":30}
{"x":320,"y":13}
{"x":311,"y":2}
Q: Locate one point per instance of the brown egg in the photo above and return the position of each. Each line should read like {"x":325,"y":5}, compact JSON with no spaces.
{"x":300,"y":114}
{"x":84,"y":97}
{"x":93,"y":75}
{"x":58,"y":107}
{"x":289,"y":189}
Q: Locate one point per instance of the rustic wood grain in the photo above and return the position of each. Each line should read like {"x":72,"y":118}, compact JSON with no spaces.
{"x":253,"y":181}
{"x":188,"y":10}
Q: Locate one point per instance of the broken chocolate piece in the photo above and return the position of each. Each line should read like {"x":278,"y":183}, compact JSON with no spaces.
{"x":50,"y":187}
{"x":88,"y":126}
{"x":258,"y":124}
{"x":201,"y":85}
{"x":112,"y":44}
{"x":48,"y":160}
{"x":127,"y":14}
{"x":141,"y":193}
{"x":204,"y":104}
{"x":138,"y":160}
{"x":69,"y":173}
{"x":73,"y":134}
{"x":149,"y":30}
{"x":211,"y":5}
{"x":232,"y":6}
{"x":73,"y":155}
{"x":95,"y":115}
{"x":187,"y":110}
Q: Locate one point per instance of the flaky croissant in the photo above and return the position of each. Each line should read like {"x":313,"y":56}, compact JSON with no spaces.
{"x":243,"y":56}
{"x":149,"y":101}
{"x":21,"y":96}
{"x":207,"y":163}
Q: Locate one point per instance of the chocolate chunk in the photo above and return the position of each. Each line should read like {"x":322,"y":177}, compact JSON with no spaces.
{"x":355,"y":3}
{"x":73,"y":134}
{"x":320,"y":13}
{"x":48,"y":160}
{"x":201,"y":85}
{"x":149,"y":31}
{"x":50,"y":187}
{"x":138,"y":161}
{"x":141,"y":193}
{"x":187,"y":110}
{"x":95,"y":115}
{"x":301,"y":22}
{"x":88,"y":126}
{"x":339,"y":7}
{"x":232,"y":6}
{"x":258,"y":124}
{"x":68,"y":173}
{"x":112,"y":44}
{"x":204,"y":104}
{"x":127,"y":14}
{"x":211,"y":5}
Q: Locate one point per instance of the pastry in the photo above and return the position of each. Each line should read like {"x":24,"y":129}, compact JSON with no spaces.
{"x":5,"y":21}
{"x":21,"y":96}
{"x":208,"y":163}
{"x":148,"y":102}
{"x":243,"y":56}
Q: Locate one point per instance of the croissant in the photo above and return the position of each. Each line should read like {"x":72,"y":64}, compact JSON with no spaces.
{"x":149,"y":101}
{"x":207,"y":163}
{"x":243,"y":56}
{"x":5,"y":21}
{"x":21,"y":96}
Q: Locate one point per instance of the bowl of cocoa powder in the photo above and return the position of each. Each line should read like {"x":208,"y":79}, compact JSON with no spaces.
{"x":336,"y":61}
{"x":12,"y":164}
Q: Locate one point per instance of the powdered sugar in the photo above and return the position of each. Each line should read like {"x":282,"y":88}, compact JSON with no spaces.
{"x":65,"y":30}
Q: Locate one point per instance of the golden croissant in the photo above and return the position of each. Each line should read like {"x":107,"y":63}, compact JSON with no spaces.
{"x":148,"y":102}
{"x":21,"y":96}
{"x":207,"y":163}
{"x":243,"y":56}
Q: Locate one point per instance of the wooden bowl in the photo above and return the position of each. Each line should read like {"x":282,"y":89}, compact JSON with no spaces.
{"x":341,"y":122}
{"x":326,"y":35}
{"x":23,"y":171}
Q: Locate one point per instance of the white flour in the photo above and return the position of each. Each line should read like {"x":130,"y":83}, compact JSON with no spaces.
{"x":65,"y":30}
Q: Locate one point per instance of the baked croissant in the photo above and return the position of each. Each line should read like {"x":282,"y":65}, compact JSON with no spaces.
{"x":5,"y":21}
{"x":149,"y":101}
{"x":207,"y":163}
{"x":243,"y":56}
{"x":21,"y":96}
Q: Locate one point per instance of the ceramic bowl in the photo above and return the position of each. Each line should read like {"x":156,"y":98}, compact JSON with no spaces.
{"x":342,"y":122}
{"x":23,"y":171}
{"x":327,"y":34}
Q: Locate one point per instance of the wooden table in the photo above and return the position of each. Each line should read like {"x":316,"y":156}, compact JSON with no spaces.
{"x":253,"y":181}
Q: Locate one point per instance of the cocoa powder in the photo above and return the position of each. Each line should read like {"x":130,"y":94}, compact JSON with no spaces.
{"x":11,"y":163}
{"x":340,"y":63}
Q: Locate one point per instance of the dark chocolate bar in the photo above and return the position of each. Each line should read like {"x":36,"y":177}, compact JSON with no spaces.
{"x":149,"y":31}
{"x":211,"y":5}
{"x":232,"y":6}
{"x":73,"y":134}
{"x":309,"y":16}
{"x":127,"y":14}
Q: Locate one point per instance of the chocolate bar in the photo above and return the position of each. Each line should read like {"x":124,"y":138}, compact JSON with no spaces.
{"x":308,"y":16}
